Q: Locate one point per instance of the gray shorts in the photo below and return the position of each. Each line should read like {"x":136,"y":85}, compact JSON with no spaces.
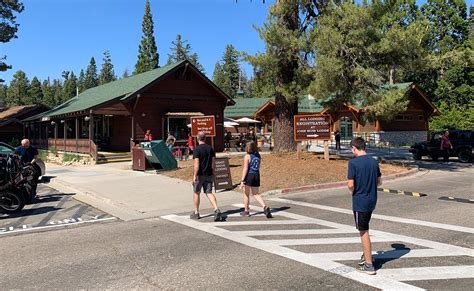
{"x":204,"y":182}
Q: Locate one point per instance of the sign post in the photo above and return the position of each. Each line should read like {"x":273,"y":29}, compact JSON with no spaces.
{"x":313,"y":127}
{"x":206,"y":124}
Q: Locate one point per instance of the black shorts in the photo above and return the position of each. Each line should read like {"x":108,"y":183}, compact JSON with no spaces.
{"x":252,"y":180}
{"x":362,"y":220}
{"x":203,"y":183}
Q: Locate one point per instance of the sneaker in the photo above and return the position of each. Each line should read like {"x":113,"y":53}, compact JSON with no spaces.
{"x":362,"y":260}
{"x":267,"y":212}
{"x":195,"y":216}
{"x":365,"y":268}
{"x":245,"y":213}
{"x":217,"y":215}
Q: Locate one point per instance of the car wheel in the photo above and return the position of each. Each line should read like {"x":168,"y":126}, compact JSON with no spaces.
{"x":464,"y":156}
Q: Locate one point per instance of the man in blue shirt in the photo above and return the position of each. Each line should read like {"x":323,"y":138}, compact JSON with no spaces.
{"x":29,"y":154}
{"x":363,"y":178}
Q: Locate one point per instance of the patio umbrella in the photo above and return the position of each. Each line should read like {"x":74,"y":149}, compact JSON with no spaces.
{"x":247,"y":120}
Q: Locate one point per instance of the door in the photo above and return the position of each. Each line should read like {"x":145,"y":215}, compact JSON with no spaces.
{"x":346,"y":128}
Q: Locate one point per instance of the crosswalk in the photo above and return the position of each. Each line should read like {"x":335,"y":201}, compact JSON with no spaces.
{"x":283,"y":242}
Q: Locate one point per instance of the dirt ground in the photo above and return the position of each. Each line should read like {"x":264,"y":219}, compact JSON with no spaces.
{"x":285,"y":171}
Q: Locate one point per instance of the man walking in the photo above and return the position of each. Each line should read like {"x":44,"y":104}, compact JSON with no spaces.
{"x":203,"y":176}
{"x":363,"y":178}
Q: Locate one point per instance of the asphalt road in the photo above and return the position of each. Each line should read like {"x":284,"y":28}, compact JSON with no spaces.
{"x":422,"y":242}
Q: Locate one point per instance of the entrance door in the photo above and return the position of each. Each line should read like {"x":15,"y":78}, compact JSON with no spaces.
{"x":346,"y":128}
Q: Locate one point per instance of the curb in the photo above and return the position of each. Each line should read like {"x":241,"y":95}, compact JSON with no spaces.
{"x":333,"y":185}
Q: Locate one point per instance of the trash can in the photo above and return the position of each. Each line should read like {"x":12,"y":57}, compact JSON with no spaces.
{"x":140,"y":163}
{"x":156,"y":152}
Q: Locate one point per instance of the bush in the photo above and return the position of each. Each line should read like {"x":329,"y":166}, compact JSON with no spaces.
{"x":53,"y":151}
{"x":71,"y":158}
{"x":43,"y":155}
{"x":14,"y":142}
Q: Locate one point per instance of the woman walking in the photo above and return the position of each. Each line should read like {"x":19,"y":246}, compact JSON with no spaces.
{"x":251,"y":179}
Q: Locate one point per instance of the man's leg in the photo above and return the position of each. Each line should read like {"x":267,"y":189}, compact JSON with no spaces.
{"x":197,"y":201}
{"x":366,"y":246}
{"x":212,"y":199}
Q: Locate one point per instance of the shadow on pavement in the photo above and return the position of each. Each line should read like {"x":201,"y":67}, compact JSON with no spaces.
{"x":29,"y":212}
{"x":46,"y":179}
{"x":51,"y":197}
{"x":452,"y":166}
{"x":380,"y":259}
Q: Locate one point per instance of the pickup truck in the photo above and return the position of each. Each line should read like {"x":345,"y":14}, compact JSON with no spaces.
{"x":462,"y":141}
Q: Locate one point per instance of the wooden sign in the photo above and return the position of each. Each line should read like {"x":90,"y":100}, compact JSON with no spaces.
{"x":312,"y":127}
{"x":206,"y":124}
{"x":222,"y":177}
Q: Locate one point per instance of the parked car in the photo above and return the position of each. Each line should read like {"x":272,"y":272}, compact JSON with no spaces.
{"x":6,"y":149}
{"x":462,"y":141}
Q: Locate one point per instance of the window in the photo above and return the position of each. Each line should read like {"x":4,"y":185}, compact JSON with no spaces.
{"x":404,"y":117}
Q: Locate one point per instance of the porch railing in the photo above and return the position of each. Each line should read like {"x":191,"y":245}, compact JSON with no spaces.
{"x":83,"y":146}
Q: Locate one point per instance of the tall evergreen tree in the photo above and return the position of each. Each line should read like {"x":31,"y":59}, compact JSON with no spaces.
{"x":285,"y":61}
{"x":70,"y":86}
{"x":91,"y":79}
{"x":107,"y":73}
{"x":81,"y":82}
{"x":57,"y":90}
{"x":226,"y":73}
{"x":148,"y":57}
{"x":8,"y":26}
{"x":181,"y":50}
{"x":48,"y":94}
{"x":35,"y":93}
{"x":125,"y":73}
{"x":17,"y":93}
{"x":3,"y":94}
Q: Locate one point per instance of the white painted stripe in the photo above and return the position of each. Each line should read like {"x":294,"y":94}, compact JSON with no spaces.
{"x":394,"y":254}
{"x":379,"y":216}
{"x":323,"y":264}
{"x":293,"y":232}
{"x":324,"y":241}
{"x":428,"y":273}
{"x":270,"y":222}
{"x":56,"y":225}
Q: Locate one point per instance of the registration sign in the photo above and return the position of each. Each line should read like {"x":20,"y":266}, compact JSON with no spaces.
{"x":206,"y":124}
{"x":312,"y":127}
{"x":222,"y":177}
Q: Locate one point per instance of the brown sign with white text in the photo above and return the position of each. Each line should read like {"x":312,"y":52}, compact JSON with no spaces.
{"x":312,"y":127}
{"x":222,"y":177}
{"x":205,"y":124}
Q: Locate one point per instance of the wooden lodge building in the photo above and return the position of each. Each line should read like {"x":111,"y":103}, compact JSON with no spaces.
{"x":407,"y":127}
{"x":11,"y":125}
{"x":110,"y":116}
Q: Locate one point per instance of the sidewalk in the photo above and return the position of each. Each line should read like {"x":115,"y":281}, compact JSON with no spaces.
{"x":128,"y":194}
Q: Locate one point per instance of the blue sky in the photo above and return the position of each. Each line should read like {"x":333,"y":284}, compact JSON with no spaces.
{"x":58,"y":35}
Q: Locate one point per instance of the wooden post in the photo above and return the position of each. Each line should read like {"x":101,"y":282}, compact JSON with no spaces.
{"x":133,"y":127}
{"x":212,"y":141}
{"x":55,"y":136}
{"x":77,"y":134}
{"x":65,"y":134}
{"x":326,"y":150}
{"x":298,"y":150}
{"x":91,"y":127}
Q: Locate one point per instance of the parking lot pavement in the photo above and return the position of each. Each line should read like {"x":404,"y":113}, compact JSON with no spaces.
{"x":50,"y":210}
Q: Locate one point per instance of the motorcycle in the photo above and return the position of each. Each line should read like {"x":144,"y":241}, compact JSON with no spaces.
{"x":17,"y":184}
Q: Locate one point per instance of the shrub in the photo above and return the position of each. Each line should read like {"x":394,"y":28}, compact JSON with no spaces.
{"x":71,"y":158}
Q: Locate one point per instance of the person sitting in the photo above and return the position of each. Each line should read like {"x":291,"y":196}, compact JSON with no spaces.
{"x":170,"y":141}
{"x":148,"y":135}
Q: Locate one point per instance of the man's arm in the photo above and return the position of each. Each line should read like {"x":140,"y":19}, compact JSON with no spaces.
{"x":379,"y":181}
{"x":350,"y":185}
{"x":196,"y":169}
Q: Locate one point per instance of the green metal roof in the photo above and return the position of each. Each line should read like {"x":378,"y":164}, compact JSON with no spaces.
{"x":120,"y":89}
{"x":245,"y":107}
{"x":309,"y":105}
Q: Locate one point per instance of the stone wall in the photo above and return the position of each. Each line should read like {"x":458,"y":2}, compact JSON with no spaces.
{"x":394,"y":138}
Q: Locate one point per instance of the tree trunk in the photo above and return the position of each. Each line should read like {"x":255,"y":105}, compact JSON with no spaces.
{"x":392,"y":75}
{"x":284,"y":140}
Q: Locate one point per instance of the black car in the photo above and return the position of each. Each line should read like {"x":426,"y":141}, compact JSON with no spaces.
{"x":462,"y":141}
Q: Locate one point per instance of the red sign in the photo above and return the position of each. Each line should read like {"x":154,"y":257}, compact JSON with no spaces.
{"x":312,"y":127}
{"x":206,"y":124}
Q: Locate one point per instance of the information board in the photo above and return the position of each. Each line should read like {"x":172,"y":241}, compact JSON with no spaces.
{"x":312,"y":127}
{"x":222,"y":177}
{"x":206,"y":124}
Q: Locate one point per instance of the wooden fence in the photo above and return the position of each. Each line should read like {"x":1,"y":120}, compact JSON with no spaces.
{"x":83,"y":146}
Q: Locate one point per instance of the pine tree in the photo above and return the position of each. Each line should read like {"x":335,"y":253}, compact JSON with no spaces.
{"x":226,"y":72}
{"x":81,"y":82}
{"x":3,"y":95}
{"x":180,"y":51}
{"x":125,"y":73}
{"x":284,"y":63}
{"x":48,"y":94}
{"x":35,"y":93}
{"x":57,"y":90}
{"x":8,"y":25}
{"x":70,"y":85}
{"x":91,"y":79}
{"x":107,"y":73}
{"x":17,"y":93}
{"x":148,"y":57}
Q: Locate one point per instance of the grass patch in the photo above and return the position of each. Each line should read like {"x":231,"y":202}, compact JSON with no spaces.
{"x":43,"y":155}
{"x":71,"y":158}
